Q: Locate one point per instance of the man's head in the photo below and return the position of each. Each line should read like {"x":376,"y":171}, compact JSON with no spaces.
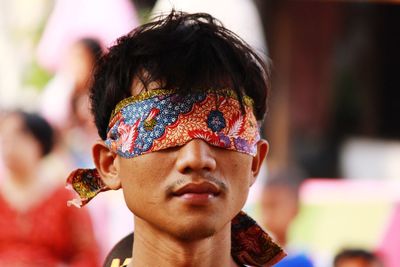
{"x":185,"y":52}
{"x":356,"y":258}
{"x":189,"y":189}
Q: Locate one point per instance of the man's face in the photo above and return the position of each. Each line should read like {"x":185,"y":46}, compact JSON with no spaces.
{"x":190,"y":191}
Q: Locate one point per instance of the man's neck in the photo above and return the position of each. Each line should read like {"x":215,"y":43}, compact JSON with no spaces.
{"x":154,"y":248}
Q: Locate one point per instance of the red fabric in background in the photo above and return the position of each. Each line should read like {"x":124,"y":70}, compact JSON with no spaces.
{"x":48,"y":234}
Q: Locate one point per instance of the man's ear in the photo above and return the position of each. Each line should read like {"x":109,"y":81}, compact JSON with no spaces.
{"x":258,"y":159}
{"x":105,"y":162}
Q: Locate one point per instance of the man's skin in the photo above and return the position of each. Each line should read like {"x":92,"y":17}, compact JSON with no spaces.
{"x":183,"y":200}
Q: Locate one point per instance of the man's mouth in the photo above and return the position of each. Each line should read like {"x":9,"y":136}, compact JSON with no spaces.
{"x":197,"y":192}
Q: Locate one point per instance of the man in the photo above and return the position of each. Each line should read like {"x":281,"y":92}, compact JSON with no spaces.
{"x":177,"y":104}
{"x":279,"y":207}
{"x":356,"y":258}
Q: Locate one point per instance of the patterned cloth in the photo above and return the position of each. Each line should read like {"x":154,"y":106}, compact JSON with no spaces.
{"x":251,"y":245}
{"x":160,"y":119}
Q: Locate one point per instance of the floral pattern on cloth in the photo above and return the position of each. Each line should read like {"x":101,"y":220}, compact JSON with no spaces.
{"x":250,"y":245}
{"x":161,"y":119}
{"x":87,"y":183}
{"x":166,"y":119}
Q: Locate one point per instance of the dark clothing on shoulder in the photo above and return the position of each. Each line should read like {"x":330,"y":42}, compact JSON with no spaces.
{"x":121,"y":251}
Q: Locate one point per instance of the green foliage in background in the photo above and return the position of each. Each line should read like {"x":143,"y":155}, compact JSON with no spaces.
{"x":36,"y":76}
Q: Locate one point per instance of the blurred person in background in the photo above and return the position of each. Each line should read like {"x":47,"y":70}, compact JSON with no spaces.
{"x":72,"y":80}
{"x":71,"y":20}
{"x":356,"y":258}
{"x":279,"y":208}
{"x":81,"y":129}
{"x":36,"y":227}
{"x":83,"y":56}
{"x":65,"y":101}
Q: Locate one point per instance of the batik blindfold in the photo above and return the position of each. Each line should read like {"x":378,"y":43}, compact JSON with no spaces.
{"x":161,"y":119}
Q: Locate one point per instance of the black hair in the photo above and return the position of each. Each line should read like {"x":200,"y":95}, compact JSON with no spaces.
{"x":356,"y":254}
{"x":183,"y":52}
{"x":39,"y":128}
{"x":94,"y":47}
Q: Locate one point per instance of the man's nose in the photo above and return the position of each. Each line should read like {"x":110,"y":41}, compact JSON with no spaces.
{"x":195,"y":155}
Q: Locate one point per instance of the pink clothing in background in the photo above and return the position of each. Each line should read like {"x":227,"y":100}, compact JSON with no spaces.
{"x":389,"y":249}
{"x":105,"y":20}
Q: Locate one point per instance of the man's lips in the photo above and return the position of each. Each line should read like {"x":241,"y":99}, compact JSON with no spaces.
{"x":193,"y":189}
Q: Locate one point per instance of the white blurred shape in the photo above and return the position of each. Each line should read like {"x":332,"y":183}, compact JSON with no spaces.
{"x":239,"y":16}
{"x":370,"y":159}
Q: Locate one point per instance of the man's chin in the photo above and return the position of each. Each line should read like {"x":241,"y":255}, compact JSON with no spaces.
{"x":201,"y":228}
{"x":190,"y":234}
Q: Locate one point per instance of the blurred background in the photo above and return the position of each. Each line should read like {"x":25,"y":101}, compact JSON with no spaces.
{"x":332,"y":122}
